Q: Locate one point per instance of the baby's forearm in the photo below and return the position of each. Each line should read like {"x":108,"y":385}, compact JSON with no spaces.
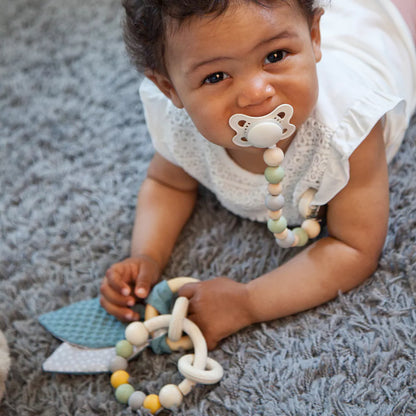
{"x":161,"y":213}
{"x":311,"y":278}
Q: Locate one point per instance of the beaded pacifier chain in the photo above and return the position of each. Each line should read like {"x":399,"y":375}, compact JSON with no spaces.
{"x":196,"y":368}
{"x":265,"y":132}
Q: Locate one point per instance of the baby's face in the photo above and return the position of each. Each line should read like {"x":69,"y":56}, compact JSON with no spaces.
{"x":248,"y":60}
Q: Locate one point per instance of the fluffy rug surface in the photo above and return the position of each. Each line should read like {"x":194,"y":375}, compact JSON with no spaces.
{"x":73,"y":152}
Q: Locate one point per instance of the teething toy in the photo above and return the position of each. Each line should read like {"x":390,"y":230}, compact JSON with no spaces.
{"x":266,"y":132}
{"x":196,"y":368}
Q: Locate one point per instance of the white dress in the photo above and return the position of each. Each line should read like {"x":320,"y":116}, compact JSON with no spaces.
{"x":367,"y":73}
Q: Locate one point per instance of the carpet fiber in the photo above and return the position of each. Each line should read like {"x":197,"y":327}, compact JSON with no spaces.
{"x":73,"y":152}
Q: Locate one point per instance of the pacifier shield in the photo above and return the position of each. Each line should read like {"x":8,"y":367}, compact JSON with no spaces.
{"x":264,"y":131}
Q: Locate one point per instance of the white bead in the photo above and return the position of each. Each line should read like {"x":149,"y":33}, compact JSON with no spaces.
{"x":275,"y":215}
{"x":282,"y":235}
{"x":170,"y":396}
{"x":118,"y":363}
{"x":275,"y":188}
{"x":288,"y":241}
{"x":136,"y":400}
{"x":273,"y":156}
{"x":312,"y":228}
{"x":136,"y":333}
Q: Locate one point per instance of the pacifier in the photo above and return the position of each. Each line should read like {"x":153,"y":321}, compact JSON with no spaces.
{"x":264,"y":131}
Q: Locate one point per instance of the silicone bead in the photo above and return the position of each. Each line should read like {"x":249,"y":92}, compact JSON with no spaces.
{"x":152,"y":403}
{"x":288,"y":241}
{"x":124,"y":349}
{"x":136,"y":333}
{"x":170,"y":396}
{"x":136,"y":400}
{"x":282,"y":235}
{"x":274,"y":174}
{"x":274,"y":203}
{"x":118,"y":363}
{"x":119,"y":377}
{"x":312,"y":228}
{"x":124,"y":392}
{"x":273,"y":156}
{"x":277,"y":226}
{"x":302,"y":236}
{"x":275,"y":215}
{"x":275,"y":188}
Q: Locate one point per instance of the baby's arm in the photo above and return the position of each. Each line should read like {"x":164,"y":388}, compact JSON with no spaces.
{"x":165,"y":202}
{"x":357,"y":222}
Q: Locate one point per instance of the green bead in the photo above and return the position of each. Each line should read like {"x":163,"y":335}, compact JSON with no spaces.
{"x":302,"y":236}
{"x":124,"y":348}
{"x":123,"y":393}
{"x":277,"y":226}
{"x":274,"y":174}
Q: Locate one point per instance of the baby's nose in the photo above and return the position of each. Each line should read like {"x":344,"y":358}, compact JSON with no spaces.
{"x":255,"y":90}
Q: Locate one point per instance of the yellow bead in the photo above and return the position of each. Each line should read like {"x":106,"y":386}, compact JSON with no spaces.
{"x":119,"y":377}
{"x":152,"y":403}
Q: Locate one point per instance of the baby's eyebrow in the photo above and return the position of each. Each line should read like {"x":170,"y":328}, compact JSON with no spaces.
{"x":197,"y":65}
{"x":281,"y":35}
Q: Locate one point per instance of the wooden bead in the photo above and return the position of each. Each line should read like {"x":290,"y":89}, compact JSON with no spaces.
{"x":282,"y":235}
{"x":275,"y":188}
{"x":275,"y":215}
{"x":273,"y":156}
{"x":136,"y":333}
{"x":170,"y":396}
{"x":312,"y":228}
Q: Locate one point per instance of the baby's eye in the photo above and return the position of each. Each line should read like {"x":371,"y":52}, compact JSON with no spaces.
{"x":275,"y":56}
{"x":215,"y":77}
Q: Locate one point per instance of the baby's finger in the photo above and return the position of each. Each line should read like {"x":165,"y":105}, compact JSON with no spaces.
{"x":188,"y":290}
{"x":121,"y":313}
{"x":114,"y":297}
{"x":117,"y":281}
{"x":146,"y":277}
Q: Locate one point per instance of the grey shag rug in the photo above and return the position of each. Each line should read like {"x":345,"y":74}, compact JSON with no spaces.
{"x":73,"y":152}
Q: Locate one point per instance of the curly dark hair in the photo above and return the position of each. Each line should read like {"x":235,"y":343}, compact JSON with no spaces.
{"x":146,"y":20}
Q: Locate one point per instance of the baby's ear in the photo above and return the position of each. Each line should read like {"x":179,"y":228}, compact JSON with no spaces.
{"x":166,"y":86}
{"x":316,"y":33}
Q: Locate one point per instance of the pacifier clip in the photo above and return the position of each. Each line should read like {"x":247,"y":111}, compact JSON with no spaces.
{"x":265,"y":132}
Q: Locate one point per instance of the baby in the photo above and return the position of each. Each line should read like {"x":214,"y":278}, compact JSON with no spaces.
{"x":206,"y":61}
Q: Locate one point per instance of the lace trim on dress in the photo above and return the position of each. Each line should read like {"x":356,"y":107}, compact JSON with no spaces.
{"x":243,"y":192}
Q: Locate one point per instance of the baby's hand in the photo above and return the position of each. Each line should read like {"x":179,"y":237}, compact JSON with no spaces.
{"x":218,"y":307}
{"x":126,"y":282}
